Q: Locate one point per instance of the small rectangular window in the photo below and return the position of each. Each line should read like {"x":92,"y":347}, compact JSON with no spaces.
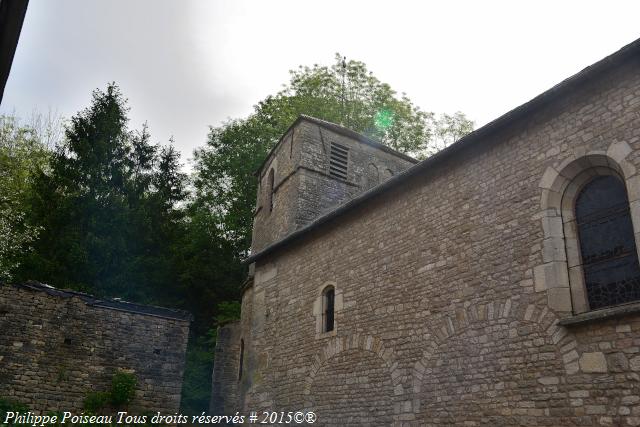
{"x":329,"y":309}
{"x":240,"y":365}
{"x":338,"y":161}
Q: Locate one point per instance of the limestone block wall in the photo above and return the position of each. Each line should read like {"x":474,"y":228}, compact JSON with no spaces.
{"x":58,"y":346}
{"x":319,"y":191}
{"x":451,"y":310}
{"x":271,"y":225}
{"x":303,"y":189}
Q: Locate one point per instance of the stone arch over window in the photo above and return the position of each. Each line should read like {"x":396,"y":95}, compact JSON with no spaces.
{"x":485,"y":324}
{"x":562,"y":274}
{"x":371,"y":347}
{"x":270,"y":183}
{"x":328,"y":303}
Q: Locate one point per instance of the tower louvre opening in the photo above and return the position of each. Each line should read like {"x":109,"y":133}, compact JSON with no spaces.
{"x":338,"y":161}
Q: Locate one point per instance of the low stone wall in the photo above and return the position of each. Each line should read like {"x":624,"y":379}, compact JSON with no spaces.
{"x":58,"y":346}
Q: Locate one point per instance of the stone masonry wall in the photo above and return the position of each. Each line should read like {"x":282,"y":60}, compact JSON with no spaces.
{"x":319,"y":191}
{"x":303,"y":187}
{"x":226,"y":369}
{"x":57,"y":347}
{"x":441,"y":321}
{"x":269,"y":226}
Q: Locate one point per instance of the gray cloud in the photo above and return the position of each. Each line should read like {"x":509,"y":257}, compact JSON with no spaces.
{"x":185,"y":65}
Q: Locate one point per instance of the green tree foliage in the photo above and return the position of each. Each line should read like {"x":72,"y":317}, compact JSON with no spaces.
{"x":348,"y":94}
{"x":448,"y":129}
{"x":345,"y":93}
{"x":114,"y":219}
{"x":108,"y":207}
{"x":22,"y":152}
{"x":224,"y":181}
{"x":209,"y":268}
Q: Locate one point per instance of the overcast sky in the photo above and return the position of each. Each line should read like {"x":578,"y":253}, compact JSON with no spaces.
{"x":185,"y":65}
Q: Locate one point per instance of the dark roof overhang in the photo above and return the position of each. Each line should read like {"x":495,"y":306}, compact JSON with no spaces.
{"x":12,"y":14}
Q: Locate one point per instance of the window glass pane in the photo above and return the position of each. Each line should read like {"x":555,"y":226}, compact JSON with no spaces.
{"x":601,"y":193}
{"x":329,"y":303}
{"x":613,"y":282}
{"x":606,"y":237}
{"x":607,"y":245}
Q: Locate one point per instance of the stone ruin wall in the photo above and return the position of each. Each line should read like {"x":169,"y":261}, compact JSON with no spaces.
{"x":445,"y":313}
{"x":55,"y":349}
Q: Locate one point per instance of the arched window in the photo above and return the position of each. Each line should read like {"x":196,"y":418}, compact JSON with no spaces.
{"x":241,"y":363}
{"x":328,"y":308}
{"x":270,"y":190}
{"x":607,"y":244}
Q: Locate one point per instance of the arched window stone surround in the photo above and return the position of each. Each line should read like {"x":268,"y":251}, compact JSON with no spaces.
{"x":560,"y":275}
{"x":480,"y":315}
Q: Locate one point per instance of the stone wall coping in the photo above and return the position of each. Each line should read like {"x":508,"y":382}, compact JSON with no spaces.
{"x":110,"y":304}
{"x":603,"y":314}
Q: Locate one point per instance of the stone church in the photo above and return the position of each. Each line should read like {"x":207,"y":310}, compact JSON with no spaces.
{"x":494,"y":283}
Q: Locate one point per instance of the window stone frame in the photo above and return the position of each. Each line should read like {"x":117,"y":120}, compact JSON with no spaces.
{"x":560,"y":275}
